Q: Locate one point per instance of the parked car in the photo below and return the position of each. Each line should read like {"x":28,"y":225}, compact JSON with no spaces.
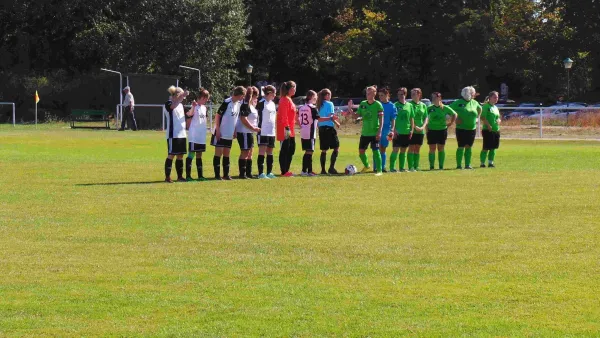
{"x":558,"y":111}
{"x":522,"y":113}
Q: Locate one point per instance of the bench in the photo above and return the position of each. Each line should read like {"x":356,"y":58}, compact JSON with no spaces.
{"x":89,"y":115}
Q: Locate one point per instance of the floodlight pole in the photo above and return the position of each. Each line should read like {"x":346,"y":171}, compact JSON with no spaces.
{"x":120,"y":110}
{"x":199,"y":74}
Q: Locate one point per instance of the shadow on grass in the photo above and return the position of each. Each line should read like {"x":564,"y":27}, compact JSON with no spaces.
{"x":118,"y":183}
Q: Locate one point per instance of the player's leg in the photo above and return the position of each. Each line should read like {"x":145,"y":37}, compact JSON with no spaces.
{"x":199,"y":165}
{"x":441,"y":148}
{"x":362,"y":148}
{"x":249,"y":160}
{"x":217,"y":161}
{"x":432,"y":148}
{"x":188,"y":161}
{"x":483,"y":155}
{"x":323,"y":161}
{"x":179,"y":168}
{"x":168,"y":166}
{"x":416,"y":157}
{"x":394,"y":158}
{"x":469,"y":149}
{"x":291,"y":152}
{"x":376,"y":156}
{"x":226,"y":162}
{"x":383,"y":154}
{"x":460,"y":151}
{"x":242,"y":163}
{"x":402,"y":157}
{"x":270,"y":159}
{"x":494,"y":146}
{"x":262,"y":149}
{"x":334,"y":143}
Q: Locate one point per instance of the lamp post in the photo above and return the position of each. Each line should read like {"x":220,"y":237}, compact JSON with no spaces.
{"x":568,"y":63}
{"x":199,"y":74}
{"x":120,"y":110}
{"x":249,"y":71}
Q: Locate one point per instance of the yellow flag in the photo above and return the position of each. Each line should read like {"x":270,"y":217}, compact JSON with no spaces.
{"x":37,"y":97}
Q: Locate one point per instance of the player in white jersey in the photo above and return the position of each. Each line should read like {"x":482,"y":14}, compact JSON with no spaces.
{"x":267,"y":113}
{"x":196,"y":120}
{"x":225,"y":123}
{"x":308,"y":118}
{"x":246,"y":127}
{"x":175,"y":115}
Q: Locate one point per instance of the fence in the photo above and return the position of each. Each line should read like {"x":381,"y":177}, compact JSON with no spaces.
{"x":13,"y":110}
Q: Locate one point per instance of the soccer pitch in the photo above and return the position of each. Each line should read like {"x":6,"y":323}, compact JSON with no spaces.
{"x":93,"y":243}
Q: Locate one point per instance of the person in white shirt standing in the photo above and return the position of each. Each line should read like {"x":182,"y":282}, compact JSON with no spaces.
{"x":128,"y":114}
{"x":225,"y":123}
{"x":196,"y":121}
{"x":267,"y":113}
{"x":176,"y":134}
{"x":246,"y":127}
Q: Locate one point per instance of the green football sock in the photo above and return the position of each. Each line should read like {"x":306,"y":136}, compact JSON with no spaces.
{"x":442,"y":156}
{"x":411,"y":162}
{"x":468,"y":154}
{"x":459,"y":156}
{"x":402,"y":160}
{"x":483,"y":155}
{"x":393,"y":159}
{"x":191,"y":155}
{"x":431,"y":160}
{"x":377,"y":160}
{"x":492,"y":155}
{"x":416,"y":160}
{"x":365,"y":161}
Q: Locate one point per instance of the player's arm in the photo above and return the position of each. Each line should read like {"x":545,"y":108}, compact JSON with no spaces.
{"x":179,"y":99}
{"x":356,"y":113}
{"x":452,"y":117}
{"x":412,"y":127}
{"x":380,"y":117}
{"x":485,"y":121}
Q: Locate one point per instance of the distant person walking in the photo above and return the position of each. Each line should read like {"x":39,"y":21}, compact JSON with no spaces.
{"x":128,"y":113}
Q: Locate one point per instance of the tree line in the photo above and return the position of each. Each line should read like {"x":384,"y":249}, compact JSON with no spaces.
{"x":434,"y":44}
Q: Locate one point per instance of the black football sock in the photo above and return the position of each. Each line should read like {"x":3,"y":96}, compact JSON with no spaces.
{"x":242,"y":166}
{"x":323,"y":160}
{"x":310,"y":160}
{"x":168,"y":166}
{"x":334,"y":156}
{"x":261,"y":164}
{"x":179,"y":168}
{"x":249,"y":168}
{"x":270,"y":164}
{"x":188,"y":167}
{"x":225,"y":166}
{"x":217,"y":166}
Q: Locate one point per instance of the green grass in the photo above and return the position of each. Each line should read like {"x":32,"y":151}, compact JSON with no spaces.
{"x":84,"y":250}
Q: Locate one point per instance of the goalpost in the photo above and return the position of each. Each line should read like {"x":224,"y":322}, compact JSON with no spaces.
{"x":13,"y":110}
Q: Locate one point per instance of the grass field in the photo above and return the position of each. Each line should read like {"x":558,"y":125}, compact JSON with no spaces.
{"x":91,"y":243}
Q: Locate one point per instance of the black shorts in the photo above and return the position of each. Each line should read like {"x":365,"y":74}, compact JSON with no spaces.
{"x":222,"y":143}
{"x":196,"y":147}
{"x":402,"y":141}
{"x":245,"y":140}
{"x":491,"y":139}
{"x":366,"y":140}
{"x":437,"y":136}
{"x":328,"y":138}
{"x":465,"y":137}
{"x":308,"y":145}
{"x":176,"y":146}
{"x":268,"y":141}
{"x":417,"y":139}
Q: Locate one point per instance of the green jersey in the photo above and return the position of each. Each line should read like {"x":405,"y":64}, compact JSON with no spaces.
{"x":467,"y":113}
{"x":370,"y":117}
{"x":405,"y":113}
{"x":437,"y":117}
{"x":491,"y":114}
{"x":420,"y":115}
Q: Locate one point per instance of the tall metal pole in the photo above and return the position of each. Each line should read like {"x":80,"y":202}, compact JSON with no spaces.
{"x":568,"y":85}
{"x":120,"y":110}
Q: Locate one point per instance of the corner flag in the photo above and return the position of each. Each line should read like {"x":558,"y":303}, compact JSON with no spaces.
{"x":37,"y":97}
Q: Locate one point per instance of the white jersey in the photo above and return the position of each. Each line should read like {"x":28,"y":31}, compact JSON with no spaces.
{"x":128,"y":100}
{"x":309,"y":118}
{"x":197,"y":132}
{"x":230,"y":113}
{"x":175,"y":120}
{"x":267,"y":114}
{"x":251,"y":113}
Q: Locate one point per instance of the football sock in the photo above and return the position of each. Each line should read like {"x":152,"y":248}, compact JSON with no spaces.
{"x":442,"y":156}
{"x":411,"y":163}
{"x":261,"y":164}
{"x":416,"y":160}
{"x":191,"y":155}
{"x":483,"y":156}
{"x":492,"y":156}
{"x":431,"y":160}
{"x":242,"y":166}
{"x":188,"y":167}
{"x":249,"y":168}
{"x":402,"y":157}
{"x":168,"y":166}
{"x":383,"y":159}
{"x":393,"y":159}
{"x":199,"y":166}
{"x":324,"y":160}
{"x":217,"y":166}
{"x":225,"y":166}
{"x":459,"y":156}
{"x":179,"y":167}
{"x":305,"y":163}
{"x":468,"y":154}
{"x":310,"y":160}
{"x":377,"y":160}
{"x":364,"y":160}
{"x":334,"y":156}
{"x":270,"y":163}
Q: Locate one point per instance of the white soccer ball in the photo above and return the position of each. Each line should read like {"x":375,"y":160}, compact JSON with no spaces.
{"x":350,"y":169}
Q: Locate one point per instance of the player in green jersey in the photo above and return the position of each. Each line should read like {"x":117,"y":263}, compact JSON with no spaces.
{"x":405,"y":126}
{"x":490,"y":119}
{"x":468,"y":110}
{"x":371,"y":112}
{"x":421,"y":119}
{"x":437,"y":129}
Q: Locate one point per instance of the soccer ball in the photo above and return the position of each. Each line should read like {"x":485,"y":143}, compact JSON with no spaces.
{"x":350,"y":169}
